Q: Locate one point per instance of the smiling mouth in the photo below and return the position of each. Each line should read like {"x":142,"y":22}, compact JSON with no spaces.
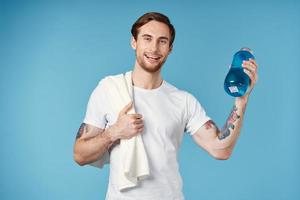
{"x":153,"y":57}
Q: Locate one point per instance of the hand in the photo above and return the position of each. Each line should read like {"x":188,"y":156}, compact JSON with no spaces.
{"x":250,"y":68}
{"x":127,"y":125}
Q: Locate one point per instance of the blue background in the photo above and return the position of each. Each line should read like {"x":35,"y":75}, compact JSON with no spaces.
{"x":53,"y":53}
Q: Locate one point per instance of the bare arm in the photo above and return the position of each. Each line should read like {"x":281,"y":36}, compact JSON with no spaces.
{"x":92,"y":142}
{"x":218,"y":143}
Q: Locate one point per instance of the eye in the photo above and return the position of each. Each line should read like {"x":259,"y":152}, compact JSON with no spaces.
{"x":163,"y":41}
{"x":147,"y":39}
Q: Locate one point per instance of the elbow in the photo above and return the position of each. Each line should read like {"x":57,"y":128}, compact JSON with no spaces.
{"x":222,"y":155}
{"x":78,"y":156}
{"x":79,"y":159}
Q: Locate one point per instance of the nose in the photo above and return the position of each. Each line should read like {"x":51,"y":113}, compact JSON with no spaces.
{"x":154,"y":46}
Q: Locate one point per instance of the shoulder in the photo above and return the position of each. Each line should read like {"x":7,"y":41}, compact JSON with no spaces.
{"x":101,"y":87}
{"x":110,"y":77}
{"x":185,"y":97}
{"x":173,"y":90}
{"x":106,"y":81}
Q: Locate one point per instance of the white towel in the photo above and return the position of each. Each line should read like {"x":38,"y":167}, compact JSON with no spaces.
{"x":134,"y":163}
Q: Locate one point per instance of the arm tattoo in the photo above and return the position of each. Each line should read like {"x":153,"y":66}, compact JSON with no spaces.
{"x":80,"y":131}
{"x":93,"y":132}
{"x":229,"y":123}
{"x":210,"y":124}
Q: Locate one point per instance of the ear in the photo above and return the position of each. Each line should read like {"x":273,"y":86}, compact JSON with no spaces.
{"x":133,"y":43}
{"x":171,"y":48}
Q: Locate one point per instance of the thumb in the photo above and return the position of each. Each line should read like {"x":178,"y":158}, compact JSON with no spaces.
{"x":126,"y":108}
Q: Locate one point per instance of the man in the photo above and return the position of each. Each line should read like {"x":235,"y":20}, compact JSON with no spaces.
{"x":164,"y":113}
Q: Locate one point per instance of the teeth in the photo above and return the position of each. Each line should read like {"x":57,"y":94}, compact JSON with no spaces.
{"x":155,"y":58}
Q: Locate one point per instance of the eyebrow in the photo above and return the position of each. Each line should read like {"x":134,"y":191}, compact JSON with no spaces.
{"x":146,"y":35}
{"x":162,"y":37}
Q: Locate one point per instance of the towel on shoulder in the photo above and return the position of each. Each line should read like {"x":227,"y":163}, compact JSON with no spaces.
{"x":134,"y":163}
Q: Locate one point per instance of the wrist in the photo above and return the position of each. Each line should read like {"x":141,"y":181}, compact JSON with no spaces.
{"x":111,"y":133}
{"x":242,"y":100}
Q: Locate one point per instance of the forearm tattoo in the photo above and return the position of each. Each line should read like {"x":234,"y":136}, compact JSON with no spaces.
{"x":233,"y":117}
{"x":80,"y":131}
{"x":93,"y":132}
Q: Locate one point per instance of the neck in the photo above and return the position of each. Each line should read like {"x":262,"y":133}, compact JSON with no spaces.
{"x":146,"y":80}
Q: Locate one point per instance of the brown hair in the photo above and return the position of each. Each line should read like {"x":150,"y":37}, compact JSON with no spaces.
{"x":147,"y":17}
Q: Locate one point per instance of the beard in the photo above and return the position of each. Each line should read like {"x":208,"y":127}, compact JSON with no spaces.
{"x":150,"y":67}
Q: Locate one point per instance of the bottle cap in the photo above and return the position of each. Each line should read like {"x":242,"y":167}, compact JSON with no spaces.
{"x":247,"y":49}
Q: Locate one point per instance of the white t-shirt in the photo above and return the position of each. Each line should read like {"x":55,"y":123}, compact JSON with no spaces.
{"x":167,"y":113}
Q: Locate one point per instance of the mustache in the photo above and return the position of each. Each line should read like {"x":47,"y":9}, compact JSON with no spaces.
{"x":153,"y":54}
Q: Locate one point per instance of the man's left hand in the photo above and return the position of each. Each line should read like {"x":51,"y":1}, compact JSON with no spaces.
{"x":250,"y":68}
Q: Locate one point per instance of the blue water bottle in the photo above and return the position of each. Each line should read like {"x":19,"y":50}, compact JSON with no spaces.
{"x":237,"y":81}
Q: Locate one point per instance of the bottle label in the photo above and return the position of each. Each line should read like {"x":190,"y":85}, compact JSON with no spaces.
{"x":233,"y":89}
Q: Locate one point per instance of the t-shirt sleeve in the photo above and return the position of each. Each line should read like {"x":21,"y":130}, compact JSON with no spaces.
{"x":97,"y":108}
{"x":195,"y":115}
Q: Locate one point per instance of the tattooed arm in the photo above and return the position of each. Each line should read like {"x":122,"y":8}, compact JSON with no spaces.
{"x":220,"y":143}
{"x":91,"y":143}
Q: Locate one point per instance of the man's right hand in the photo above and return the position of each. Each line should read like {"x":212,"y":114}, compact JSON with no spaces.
{"x":127,"y":125}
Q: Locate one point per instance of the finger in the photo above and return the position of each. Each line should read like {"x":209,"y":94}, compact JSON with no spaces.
{"x":249,"y":68}
{"x":126,"y":108}
{"x":248,"y":72}
{"x":255,"y":66}
{"x":138,"y":126}
{"x":138,"y":121}
{"x":251,"y":76}
{"x":253,"y":62}
{"x":248,"y":65}
{"x":136,"y":116}
{"x":141,"y":130}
